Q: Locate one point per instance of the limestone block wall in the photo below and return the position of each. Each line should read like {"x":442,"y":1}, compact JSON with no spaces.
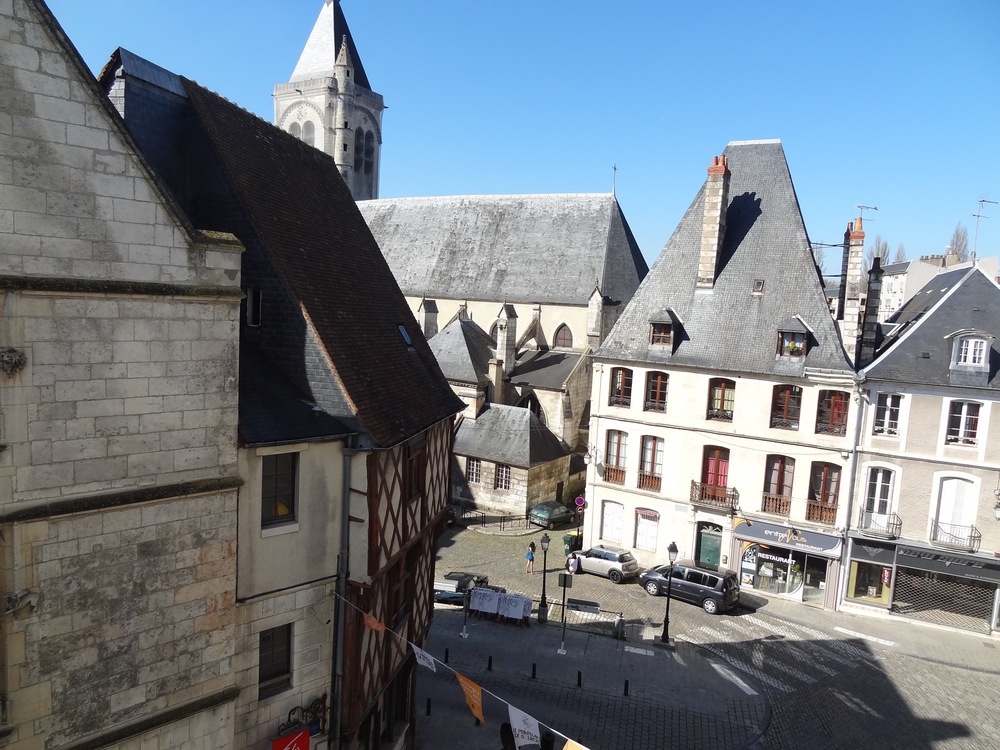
{"x":134,"y":614}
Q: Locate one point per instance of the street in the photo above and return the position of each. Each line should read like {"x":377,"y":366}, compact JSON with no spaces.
{"x":771,"y":675}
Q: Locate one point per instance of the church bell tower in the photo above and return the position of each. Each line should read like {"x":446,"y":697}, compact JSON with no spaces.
{"x":329,"y":103}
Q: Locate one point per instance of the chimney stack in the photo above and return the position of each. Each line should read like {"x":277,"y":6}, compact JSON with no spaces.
{"x":851,"y":286}
{"x":869,"y":328}
{"x":713,"y":229}
{"x":507,"y":337}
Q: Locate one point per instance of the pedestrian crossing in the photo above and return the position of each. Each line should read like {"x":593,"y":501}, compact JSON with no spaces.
{"x":779,"y":654}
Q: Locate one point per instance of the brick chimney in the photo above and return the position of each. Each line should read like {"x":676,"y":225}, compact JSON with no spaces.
{"x":851,"y":286}
{"x":713,"y":229}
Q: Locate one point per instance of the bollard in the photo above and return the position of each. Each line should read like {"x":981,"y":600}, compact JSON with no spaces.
{"x":626,"y":688}
{"x":428,"y":706}
{"x":579,"y":679}
{"x":533,"y":670}
{"x":446,"y":656}
{"x":489,"y":665}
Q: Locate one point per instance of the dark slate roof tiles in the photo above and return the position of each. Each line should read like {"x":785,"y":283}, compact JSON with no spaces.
{"x":729,"y":327}
{"x":508,"y":435}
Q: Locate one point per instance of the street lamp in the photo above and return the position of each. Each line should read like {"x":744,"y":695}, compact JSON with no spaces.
{"x":672,"y":554}
{"x":543,"y":607}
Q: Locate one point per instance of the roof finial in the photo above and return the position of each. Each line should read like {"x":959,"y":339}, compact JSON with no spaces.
{"x":614,"y":176}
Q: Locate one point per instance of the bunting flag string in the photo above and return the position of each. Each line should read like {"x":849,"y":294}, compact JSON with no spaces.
{"x":523,"y":723}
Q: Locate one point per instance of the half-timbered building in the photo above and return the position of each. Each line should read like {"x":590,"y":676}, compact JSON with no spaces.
{"x":345,"y":420}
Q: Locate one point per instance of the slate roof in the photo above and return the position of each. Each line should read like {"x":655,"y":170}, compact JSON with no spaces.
{"x":463,"y":350}
{"x":545,"y":369}
{"x":320,"y":53}
{"x":519,"y":248}
{"x":728,"y":327}
{"x":273,"y":411}
{"x":304,"y":215}
{"x":916,"y":349}
{"x":508,"y":435}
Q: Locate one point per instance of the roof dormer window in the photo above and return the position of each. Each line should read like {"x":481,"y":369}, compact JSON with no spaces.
{"x":793,"y":338}
{"x":971,"y":352}
{"x":664,"y":329}
{"x":970,"y":357}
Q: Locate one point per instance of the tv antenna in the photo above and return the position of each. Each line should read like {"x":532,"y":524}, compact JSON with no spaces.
{"x":862,"y":209}
{"x":979,"y":215}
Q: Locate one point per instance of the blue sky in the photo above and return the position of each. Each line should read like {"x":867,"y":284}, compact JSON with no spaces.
{"x":887,"y":104}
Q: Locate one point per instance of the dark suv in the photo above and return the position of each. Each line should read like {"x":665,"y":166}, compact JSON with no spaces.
{"x":616,"y":564}
{"x":715,"y":589}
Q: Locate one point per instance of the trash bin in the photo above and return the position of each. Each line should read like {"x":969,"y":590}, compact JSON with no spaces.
{"x":572,"y":541}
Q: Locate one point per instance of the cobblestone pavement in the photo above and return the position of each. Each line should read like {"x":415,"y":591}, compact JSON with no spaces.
{"x":772,"y":675}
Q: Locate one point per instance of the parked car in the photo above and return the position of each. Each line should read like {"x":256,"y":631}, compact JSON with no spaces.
{"x":550,"y":514}
{"x":451,"y":589}
{"x":616,"y":564}
{"x":716,"y":589}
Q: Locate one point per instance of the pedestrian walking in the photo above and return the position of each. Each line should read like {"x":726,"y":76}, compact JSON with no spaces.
{"x":530,"y":557}
{"x":571,"y":564}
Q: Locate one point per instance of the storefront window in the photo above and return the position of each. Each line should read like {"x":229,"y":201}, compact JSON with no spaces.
{"x":869,"y":582}
{"x":772,"y":569}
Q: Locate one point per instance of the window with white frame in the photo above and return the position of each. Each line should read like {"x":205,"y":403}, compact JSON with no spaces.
{"x":972,"y":352}
{"x":878,"y":497}
{"x":963,"y":423}
{"x":502,"y":479}
{"x":615,"y":456}
{"x":887,"y":414}
{"x":473,"y":470}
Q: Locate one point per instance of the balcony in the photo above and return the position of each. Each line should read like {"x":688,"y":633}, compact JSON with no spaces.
{"x":619,"y":400}
{"x":614,"y":475}
{"x":887,"y":525}
{"x":776,"y":505}
{"x":949,"y":535}
{"x":649,"y":482}
{"x":784,"y":423}
{"x":825,"y":428}
{"x":713,"y":496}
{"x":720,"y":415}
{"x":821,"y":513}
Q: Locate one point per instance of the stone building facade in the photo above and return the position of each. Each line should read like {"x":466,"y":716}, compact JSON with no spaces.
{"x":118,"y":471}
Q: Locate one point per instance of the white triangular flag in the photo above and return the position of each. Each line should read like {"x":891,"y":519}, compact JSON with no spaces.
{"x":423,"y":658}
{"x":524,"y":727}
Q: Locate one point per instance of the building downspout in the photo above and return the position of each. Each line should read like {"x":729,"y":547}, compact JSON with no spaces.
{"x":343,"y":571}
{"x":845,"y":572}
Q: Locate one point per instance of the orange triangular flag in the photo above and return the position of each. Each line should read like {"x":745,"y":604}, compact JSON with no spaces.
{"x":473,"y":696}
{"x":372,"y":623}
{"x":570,"y":745}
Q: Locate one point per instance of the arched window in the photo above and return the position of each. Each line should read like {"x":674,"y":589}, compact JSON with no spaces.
{"x":564,"y":337}
{"x":309,"y":133}
{"x":620,"y":393}
{"x":493,"y":333}
{"x":831,"y":414}
{"x":531,"y":403}
{"x":359,"y":150}
{"x":786,"y":404}
{"x":721,"y":399}
{"x":295,"y":130}
{"x":656,"y":391}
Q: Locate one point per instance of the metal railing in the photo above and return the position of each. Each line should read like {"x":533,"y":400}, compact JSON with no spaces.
{"x":784,"y":423}
{"x":777,"y":505}
{"x":956,"y":537}
{"x":821,"y":513}
{"x":714,"y":496}
{"x":720,"y":415}
{"x":614,"y":475}
{"x":649,"y":482}
{"x":888,"y":525}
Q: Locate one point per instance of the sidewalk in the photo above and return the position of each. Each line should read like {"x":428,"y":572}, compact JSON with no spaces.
{"x":602,"y":692}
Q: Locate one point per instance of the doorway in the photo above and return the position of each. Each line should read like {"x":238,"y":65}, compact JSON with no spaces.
{"x":814,"y":585}
{"x":709,"y":543}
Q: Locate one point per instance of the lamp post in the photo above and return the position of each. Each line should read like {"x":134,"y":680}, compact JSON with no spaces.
{"x":543,"y":607}
{"x":672,"y":554}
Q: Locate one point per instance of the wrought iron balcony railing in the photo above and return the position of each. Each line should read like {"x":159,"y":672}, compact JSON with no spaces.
{"x":956,"y":537}
{"x":714,"y":496}
{"x":887,"y":525}
{"x":776,"y":505}
{"x":784,"y":423}
{"x":720,"y":415}
{"x":821,"y":513}
{"x":614,"y":475}
{"x":649,"y":482}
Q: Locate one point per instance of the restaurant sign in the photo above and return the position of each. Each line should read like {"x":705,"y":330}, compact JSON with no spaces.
{"x":789,"y":537}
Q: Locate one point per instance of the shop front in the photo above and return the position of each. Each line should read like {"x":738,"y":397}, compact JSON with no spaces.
{"x":954,"y":589}
{"x":789,"y":562}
